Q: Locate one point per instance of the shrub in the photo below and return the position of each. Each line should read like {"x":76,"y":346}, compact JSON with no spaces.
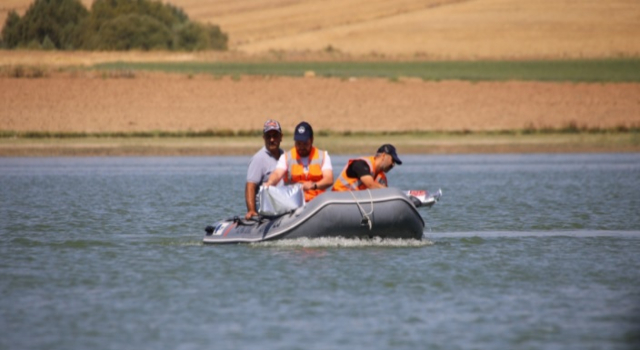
{"x":133,"y":31}
{"x":110,"y":25}
{"x":55,"y":19}
{"x":11,"y":31}
{"x":47,"y":44}
{"x":191,"y":36}
{"x":21,"y":71}
{"x":217,"y":39}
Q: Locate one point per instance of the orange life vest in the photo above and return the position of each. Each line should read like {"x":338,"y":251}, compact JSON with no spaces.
{"x":382,"y":179}
{"x":296,"y":171}
{"x":345,"y":183}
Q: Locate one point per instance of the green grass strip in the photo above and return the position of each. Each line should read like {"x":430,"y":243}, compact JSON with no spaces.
{"x":131,"y":134}
{"x":607,"y":70}
{"x":570,"y":129}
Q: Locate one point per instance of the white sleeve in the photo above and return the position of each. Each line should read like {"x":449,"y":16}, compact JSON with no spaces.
{"x":282,"y":162}
{"x":327,"y":162}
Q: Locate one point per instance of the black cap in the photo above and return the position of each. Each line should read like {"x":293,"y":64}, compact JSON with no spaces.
{"x":390,"y":150}
{"x":302,"y":132}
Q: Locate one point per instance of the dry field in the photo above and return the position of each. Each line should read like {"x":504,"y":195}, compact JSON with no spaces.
{"x":88,"y":102}
{"x":402,"y":29}
{"x":442,"y":29}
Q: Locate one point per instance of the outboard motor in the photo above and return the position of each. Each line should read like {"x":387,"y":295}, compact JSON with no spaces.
{"x":422,"y":198}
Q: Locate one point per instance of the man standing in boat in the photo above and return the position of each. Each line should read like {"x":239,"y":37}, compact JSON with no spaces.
{"x":262,"y":164}
{"x":368,"y":172}
{"x":304,"y":164}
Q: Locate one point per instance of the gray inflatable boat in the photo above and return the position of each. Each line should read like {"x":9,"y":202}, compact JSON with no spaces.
{"x":384,"y":213}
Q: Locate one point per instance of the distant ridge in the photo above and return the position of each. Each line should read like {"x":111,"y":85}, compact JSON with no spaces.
{"x":429,"y":29}
{"x":432,"y":29}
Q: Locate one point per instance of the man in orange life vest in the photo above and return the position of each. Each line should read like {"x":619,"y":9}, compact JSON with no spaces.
{"x":368,"y":172}
{"x":304,"y":164}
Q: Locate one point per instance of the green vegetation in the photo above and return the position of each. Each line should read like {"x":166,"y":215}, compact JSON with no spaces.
{"x":337,"y":143}
{"x":570,"y":129}
{"x":611,"y":70}
{"x":110,"y":25}
{"x":21,"y":71}
{"x":132,"y":134}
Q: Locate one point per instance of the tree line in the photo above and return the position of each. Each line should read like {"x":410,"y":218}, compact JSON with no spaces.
{"x":108,"y":25}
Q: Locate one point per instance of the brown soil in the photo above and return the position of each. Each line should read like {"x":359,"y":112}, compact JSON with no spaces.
{"x":89,"y":102}
{"x":355,"y":29}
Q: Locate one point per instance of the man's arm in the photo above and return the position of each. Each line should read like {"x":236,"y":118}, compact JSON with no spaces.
{"x":327,"y":176}
{"x":250,"y":190}
{"x":276,"y":176}
{"x":324,"y":183}
{"x":327,"y":180}
{"x":278,"y":173}
{"x":254,"y":177}
{"x":361,"y":170}
{"x":327,"y":173}
{"x":368,"y":181}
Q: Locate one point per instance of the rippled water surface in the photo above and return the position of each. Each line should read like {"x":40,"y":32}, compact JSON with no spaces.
{"x":522,"y":252}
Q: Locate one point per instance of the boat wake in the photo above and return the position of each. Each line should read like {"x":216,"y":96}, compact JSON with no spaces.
{"x":339,"y":242}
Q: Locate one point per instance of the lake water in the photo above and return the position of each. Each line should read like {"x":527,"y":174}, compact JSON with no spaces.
{"x":522,"y":252}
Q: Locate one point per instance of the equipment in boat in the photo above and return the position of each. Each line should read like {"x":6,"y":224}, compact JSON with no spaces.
{"x":384,"y":213}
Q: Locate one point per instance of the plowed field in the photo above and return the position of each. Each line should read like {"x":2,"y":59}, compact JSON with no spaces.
{"x":172,"y":102}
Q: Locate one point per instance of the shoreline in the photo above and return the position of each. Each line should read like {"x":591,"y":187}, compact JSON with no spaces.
{"x":356,"y":144}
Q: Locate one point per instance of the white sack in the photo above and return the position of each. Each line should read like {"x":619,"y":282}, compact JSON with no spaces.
{"x":278,"y":200}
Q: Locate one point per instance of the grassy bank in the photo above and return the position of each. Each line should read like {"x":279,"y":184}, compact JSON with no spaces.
{"x":609,"y":70}
{"x":423,"y":143}
{"x":571,"y":128}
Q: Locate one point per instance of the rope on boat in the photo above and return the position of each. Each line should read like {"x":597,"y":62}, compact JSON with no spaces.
{"x":366,"y":218}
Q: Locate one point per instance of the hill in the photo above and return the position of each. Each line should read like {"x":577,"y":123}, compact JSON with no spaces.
{"x":436,"y":29}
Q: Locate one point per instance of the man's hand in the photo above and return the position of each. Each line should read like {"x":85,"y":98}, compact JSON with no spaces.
{"x":250,"y":214}
{"x":308,"y":185}
{"x":368,"y":181}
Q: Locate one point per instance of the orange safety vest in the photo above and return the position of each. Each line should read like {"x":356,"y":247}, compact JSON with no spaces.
{"x":345,"y":183}
{"x":296,"y":171}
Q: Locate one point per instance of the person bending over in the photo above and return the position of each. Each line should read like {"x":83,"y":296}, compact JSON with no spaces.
{"x":368,"y":172}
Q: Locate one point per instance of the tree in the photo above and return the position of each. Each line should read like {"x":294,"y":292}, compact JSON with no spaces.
{"x":217,"y":39}
{"x":11,"y":36}
{"x":110,"y":25}
{"x":51,"y":18}
{"x":133,"y":31}
{"x":195,"y":36}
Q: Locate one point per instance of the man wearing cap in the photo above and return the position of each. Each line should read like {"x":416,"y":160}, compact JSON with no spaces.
{"x":368,"y":172}
{"x":262,"y":164}
{"x":304,"y":164}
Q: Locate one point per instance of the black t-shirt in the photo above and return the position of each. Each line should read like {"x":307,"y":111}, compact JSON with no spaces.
{"x":358,"y":168}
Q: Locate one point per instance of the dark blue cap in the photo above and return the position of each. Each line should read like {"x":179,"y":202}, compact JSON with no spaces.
{"x":390,"y":150}
{"x":302,"y":132}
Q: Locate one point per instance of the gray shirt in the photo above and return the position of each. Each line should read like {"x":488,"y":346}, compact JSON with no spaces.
{"x":261,"y":166}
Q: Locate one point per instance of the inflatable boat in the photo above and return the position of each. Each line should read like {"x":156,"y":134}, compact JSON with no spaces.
{"x":384,"y":213}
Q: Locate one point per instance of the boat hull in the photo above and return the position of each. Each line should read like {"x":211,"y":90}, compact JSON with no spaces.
{"x":385,"y":213}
